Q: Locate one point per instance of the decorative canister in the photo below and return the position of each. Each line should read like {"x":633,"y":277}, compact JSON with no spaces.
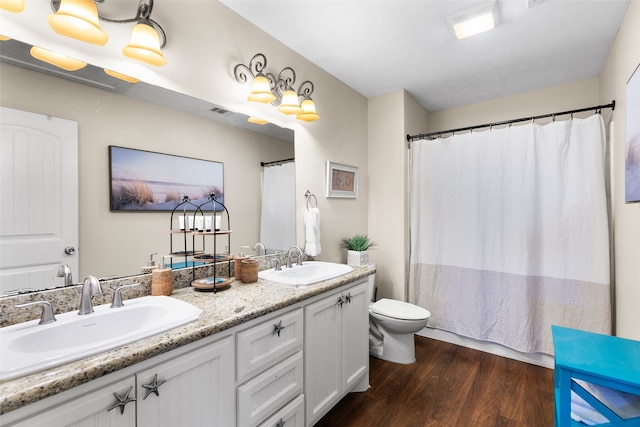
{"x":237,"y":266}
{"x":249,"y":271}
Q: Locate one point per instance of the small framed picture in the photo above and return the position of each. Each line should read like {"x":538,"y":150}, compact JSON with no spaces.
{"x":342,"y":180}
{"x":632,"y":151}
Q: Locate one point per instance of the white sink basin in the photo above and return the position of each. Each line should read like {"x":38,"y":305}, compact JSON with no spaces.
{"x":28,"y":347}
{"x":308,"y":273}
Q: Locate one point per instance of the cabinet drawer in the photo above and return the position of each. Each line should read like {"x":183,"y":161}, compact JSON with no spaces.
{"x":265,"y":394}
{"x":291,"y":415}
{"x":266,"y":343}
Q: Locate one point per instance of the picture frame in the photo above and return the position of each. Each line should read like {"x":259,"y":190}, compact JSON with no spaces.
{"x":342,"y":180}
{"x":147,"y":181}
{"x":632,"y":138}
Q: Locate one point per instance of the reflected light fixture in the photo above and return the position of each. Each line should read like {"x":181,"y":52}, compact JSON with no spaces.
{"x":15,"y":6}
{"x":59,"y":60}
{"x":257,"y":120}
{"x":480,"y":18}
{"x":121,"y":76}
{"x":79,"y":19}
{"x":279,"y":91}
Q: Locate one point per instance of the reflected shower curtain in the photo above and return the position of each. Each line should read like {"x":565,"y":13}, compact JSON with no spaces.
{"x":277,"y":216}
{"x":509,"y":232}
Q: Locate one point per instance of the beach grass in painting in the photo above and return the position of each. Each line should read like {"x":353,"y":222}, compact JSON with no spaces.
{"x":149,"y":181}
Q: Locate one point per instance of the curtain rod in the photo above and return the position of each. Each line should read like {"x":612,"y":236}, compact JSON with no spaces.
{"x":431,"y":135}
{"x":277,"y":162}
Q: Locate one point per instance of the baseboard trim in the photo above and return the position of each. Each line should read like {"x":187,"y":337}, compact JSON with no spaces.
{"x":539,"y":359}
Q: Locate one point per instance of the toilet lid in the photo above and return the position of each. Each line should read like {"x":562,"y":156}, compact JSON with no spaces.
{"x":399,"y":310}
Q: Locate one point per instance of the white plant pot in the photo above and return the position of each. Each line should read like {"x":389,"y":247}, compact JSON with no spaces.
{"x":358,"y":259}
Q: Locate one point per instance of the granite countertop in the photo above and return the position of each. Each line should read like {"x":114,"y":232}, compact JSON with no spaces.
{"x":221,"y":311}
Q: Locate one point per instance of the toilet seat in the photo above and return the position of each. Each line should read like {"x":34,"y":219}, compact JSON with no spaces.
{"x":399,"y":310}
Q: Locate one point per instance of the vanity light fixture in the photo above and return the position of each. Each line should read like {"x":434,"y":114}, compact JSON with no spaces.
{"x":478,"y":19}
{"x":15,"y":6}
{"x":59,"y":60}
{"x":79,"y":19}
{"x":279,"y":91}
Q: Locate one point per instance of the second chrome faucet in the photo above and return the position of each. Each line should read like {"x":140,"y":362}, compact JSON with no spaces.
{"x":90,"y":288}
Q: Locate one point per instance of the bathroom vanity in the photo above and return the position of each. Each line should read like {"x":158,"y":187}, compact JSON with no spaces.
{"x":261,"y":354}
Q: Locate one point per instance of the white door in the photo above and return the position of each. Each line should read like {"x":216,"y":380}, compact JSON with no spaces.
{"x":38,"y":199}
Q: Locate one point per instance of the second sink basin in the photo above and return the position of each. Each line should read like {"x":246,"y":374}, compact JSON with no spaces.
{"x":29,"y":347}
{"x":308,"y":273}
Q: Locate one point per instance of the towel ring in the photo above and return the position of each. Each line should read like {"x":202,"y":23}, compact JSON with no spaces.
{"x":308,"y":194}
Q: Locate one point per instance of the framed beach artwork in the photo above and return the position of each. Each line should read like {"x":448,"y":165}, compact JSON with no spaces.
{"x":632,"y":147}
{"x":148,"y":181}
{"x":342,"y":180}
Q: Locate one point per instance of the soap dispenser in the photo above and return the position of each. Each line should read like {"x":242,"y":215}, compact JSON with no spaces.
{"x":162,"y":279}
{"x":151,"y":264}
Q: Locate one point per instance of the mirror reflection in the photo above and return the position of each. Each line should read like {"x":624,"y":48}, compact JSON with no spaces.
{"x":108,"y":112}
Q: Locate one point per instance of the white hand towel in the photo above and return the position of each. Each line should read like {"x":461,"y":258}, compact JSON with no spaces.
{"x":312,"y":228}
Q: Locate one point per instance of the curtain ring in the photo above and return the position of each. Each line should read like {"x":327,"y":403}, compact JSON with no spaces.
{"x":554,"y":117}
{"x":571,"y":116}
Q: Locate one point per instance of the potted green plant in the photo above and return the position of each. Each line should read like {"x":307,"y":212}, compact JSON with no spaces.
{"x":357,"y":249}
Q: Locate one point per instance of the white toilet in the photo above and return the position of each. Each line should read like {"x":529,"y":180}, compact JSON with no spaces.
{"x":392,"y":324}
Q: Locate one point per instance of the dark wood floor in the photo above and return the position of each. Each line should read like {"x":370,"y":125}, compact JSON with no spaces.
{"x":449,"y":385}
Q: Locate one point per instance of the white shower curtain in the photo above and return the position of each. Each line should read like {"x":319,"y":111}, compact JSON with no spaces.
{"x":509,"y":232}
{"x":277,"y":217}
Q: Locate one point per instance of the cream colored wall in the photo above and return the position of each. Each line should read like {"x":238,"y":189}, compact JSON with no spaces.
{"x":387,"y":192}
{"x":202,"y":54}
{"x":623,"y":59}
{"x":391,"y":117}
{"x":548,"y":100}
{"x":115,"y":243}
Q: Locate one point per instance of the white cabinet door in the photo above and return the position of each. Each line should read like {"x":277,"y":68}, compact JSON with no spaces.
{"x":336,"y":348}
{"x":91,"y":409}
{"x":355,"y":335}
{"x":323,"y":356}
{"x":195,"y":389}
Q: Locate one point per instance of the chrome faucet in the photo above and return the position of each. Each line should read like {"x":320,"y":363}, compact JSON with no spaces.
{"x":65,"y":271}
{"x":300,"y":255}
{"x":90,"y":288}
{"x":263,"y":251}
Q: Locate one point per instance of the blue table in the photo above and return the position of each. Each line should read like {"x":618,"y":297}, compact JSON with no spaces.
{"x":598,"y":359}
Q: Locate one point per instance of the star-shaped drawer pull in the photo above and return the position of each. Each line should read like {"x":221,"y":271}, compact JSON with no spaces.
{"x":152,"y":387}
{"x":122,"y":400}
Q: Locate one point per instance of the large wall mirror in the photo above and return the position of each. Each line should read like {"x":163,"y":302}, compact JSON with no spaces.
{"x":111,"y":112}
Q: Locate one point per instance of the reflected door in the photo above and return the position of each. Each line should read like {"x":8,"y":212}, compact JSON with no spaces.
{"x":38,"y":199}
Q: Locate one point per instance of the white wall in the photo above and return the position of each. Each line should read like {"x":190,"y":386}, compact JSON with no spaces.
{"x":623,"y":59}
